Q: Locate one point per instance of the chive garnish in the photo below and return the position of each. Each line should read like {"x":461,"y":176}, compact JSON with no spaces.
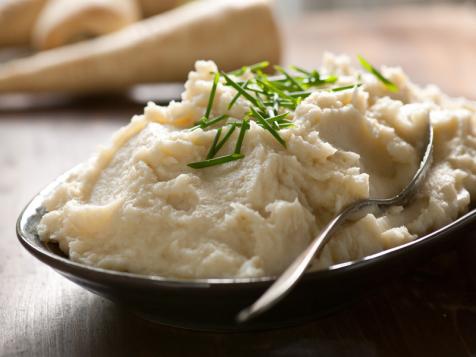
{"x":267,"y":126}
{"x":242,"y":91}
{"x":392,"y":87}
{"x":300,"y":94}
{"x":253,"y":68}
{"x":203,"y":123}
{"x":271,"y":87}
{"x":244,"y":126}
{"x":268,"y":96}
{"x":259,"y":66}
{"x":230,"y":131}
{"x":211,"y":152}
{"x":237,"y":95}
{"x":214,"y":121}
{"x":302,"y":70}
{"x":350,"y":86}
{"x":212,"y":95}
{"x":293,"y":80}
{"x":330,"y":79}
{"x":277,"y":118}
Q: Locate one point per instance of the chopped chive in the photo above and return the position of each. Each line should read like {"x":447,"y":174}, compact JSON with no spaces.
{"x":285,"y":104}
{"x":253,"y":68}
{"x":330,"y":79}
{"x":273,"y":88}
{"x":243,"y":92}
{"x":290,"y":78}
{"x":272,"y":114}
{"x":198,"y":124}
{"x":275,"y":102}
{"x":215,"y":161}
{"x":317,"y":81}
{"x":239,"y":72}
{"x":277,"y":79}
{"x":203,"y":123}
{"x":237,"y":95}
{"x":286,"y":125}
{"x":214,"y":121}
{"x":392,"y":87}
{"x":257,"y":90}
{"x":350,"y":86}
{"x":277,"y":117}
{"x":303,"y":94}
{"x":315,"y":78}
{"x":258,"y":66}
{"x":299,"y":69}
{"x":268,"y":127}
{"x":225,"y":139}
{"x":212,"y":95}
{"x":211,"y":152}
{"x":244,"y":126}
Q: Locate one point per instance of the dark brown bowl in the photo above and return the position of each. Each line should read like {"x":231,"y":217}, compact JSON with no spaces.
{"x":212,"y":304}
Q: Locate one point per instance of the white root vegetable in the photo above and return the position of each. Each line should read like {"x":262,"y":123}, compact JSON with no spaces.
{"x":154,"y":7}
{"x":65,"y":21}
{"x":17,"y":18}
{"x":159,"y":49}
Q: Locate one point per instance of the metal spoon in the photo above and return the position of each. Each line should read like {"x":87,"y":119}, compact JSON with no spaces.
{"x":291,"y":275}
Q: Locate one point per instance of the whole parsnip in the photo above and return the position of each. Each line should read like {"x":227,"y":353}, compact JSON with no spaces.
{"x":67,"y":21}
{"x":161,"y":48}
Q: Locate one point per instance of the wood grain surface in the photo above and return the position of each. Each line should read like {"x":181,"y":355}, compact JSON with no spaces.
{"x":429,"y":312}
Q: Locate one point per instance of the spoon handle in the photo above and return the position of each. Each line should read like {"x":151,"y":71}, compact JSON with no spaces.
{"x":291,"y":275}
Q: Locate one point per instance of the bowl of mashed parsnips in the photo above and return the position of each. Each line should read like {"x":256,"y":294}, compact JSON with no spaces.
{"x":193,"y":208}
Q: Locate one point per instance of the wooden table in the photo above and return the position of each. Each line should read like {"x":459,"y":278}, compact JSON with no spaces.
{"x":430,"y":312}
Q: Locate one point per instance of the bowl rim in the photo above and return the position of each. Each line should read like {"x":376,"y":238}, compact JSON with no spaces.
{"x":50,"y":258}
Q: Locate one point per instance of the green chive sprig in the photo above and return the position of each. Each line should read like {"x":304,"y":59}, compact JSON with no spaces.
{"x":350,"y":86}
{"x":392,"y":87}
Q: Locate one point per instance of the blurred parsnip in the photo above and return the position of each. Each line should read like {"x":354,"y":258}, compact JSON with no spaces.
{"x":65,"y":21}
{"x":154,"y":7}
{"x":161,"y":48}
{"x":17,"y":18}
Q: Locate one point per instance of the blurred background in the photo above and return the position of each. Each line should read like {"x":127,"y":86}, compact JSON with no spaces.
{"x":332,"y":4}
{"x":431,"y":39}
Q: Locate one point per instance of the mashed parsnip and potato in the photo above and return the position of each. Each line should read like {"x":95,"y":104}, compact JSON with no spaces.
{"x":138,"y":206}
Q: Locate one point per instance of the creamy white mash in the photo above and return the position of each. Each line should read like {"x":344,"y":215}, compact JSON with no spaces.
{"x":136,"y":206}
